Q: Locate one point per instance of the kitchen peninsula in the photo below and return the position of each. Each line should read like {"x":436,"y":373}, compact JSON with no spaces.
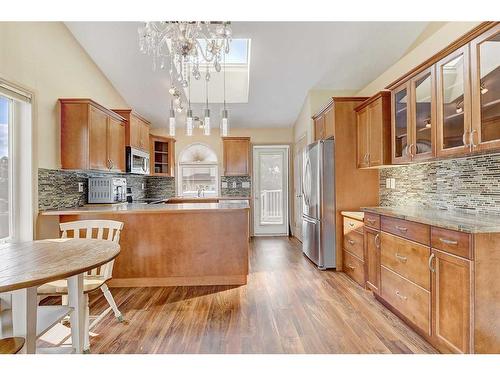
{"x":176,"y":243}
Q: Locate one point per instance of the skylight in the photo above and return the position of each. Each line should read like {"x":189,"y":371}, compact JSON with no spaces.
{"x":238,"y":53}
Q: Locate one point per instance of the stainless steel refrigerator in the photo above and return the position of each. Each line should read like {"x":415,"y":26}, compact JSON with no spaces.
{"x":318,"y":212}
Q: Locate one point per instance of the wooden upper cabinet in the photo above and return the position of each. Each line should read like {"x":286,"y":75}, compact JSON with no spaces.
{"x":374,"y":131}
{"x":362,"y":123}
{"x":324,"y":122}
{"x":116,"y":144}
{"x":454,"y":104}
{"x":451,"y":302}
{"x":92,"y":136}
{"x":400,"y":124}
{"x":236,"y":156}
{"x":136,"y":129}
{"x":162,"y":156}
{"x":485,"y":83}
{"x":423,"y":115}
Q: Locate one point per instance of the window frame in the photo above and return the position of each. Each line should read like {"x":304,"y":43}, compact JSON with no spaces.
{"x":181,"y":166}
{"x":11,"y":196}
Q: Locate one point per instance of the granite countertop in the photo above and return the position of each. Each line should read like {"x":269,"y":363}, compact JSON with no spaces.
{"x":356,"y":215}
{"x":123,"y":208}
{"x":448,"y":219}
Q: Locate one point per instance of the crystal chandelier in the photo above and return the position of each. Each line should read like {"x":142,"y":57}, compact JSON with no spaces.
{"x":185,"y":45}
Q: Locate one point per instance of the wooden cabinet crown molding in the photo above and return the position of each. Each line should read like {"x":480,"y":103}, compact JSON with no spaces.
{"x":460,"y":42}
{"x":371,"y":99}
{"x":107,"y":111}
{"x":127,"y":112}
{"x":334,"y":99}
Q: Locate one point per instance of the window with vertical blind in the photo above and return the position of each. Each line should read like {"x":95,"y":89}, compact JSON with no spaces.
{"x":16,"y":170}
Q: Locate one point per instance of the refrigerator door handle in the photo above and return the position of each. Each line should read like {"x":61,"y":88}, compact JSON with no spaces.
{"x":305,"y":218}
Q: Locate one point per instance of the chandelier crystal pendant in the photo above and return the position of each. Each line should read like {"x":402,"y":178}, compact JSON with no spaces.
{"x":185,"y":44}
{"x":224,"y":123}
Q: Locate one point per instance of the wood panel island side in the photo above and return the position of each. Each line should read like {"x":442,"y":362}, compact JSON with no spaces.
{"x":175,"y":244}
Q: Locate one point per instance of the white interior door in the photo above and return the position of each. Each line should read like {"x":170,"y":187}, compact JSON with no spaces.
{"x":270,"y":174}
{"x":298,"y":155}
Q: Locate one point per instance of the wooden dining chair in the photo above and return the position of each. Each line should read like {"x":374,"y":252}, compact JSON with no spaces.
{"x":11,"y":345}
{"x":95,"y":278}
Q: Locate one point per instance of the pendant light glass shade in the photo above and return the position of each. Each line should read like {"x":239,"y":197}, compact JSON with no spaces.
{"x":206,"y":122}
{"x":171,"y":123}
{"x":189,"y":123}
{"x":224,"y":124}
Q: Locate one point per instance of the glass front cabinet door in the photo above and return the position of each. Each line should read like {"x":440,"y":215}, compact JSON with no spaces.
{"x":422,"y":115}
{"x":453,"y":104}
{"x":485,"y":75}
{"x":400,"y":124}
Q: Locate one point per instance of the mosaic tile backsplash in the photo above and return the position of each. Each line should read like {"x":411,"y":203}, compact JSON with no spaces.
{"x":59,"y":188}
{"x":468,"y":184}
{"x":239,"y":190}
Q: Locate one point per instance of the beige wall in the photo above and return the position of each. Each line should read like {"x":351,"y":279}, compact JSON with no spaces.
{"x":423,"y":49}
{"x":45,"y":58}
{"x":214,"y":141}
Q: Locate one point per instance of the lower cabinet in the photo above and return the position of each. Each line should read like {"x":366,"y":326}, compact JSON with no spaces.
{"x":353,"y":254}
{"x":372,"y":259}
{"x":451,"y":302}
{"x":354,"y":268}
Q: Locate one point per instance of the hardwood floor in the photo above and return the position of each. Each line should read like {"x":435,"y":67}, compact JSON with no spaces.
{"x":288,"y":306}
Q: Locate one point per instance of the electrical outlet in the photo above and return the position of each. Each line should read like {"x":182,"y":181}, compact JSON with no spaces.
{"x":393,"y":183}
{"x":142,"y":186}
{"x":245,"y":184}
{"x":234,"y":185}
{"x":224,"y":185}
{"x":80,"y":187}
{"x":388,"y":183}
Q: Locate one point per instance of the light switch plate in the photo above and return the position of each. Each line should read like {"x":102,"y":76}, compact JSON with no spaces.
{"x":224,"y":185}
{"x":393,"y":183}
{"x":388,"y":183}
{"x":80,"y":187}
{"x":142,"y":186}
{"x":245,"y":184}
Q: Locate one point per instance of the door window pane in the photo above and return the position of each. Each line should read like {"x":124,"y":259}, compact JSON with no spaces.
{"x":271,"y":188}
{"x":453,"y":102}
{"x":401,"y":122}
{"x":4,"y":168}
{"x":423,"y":91}
{"x":489,"y":70}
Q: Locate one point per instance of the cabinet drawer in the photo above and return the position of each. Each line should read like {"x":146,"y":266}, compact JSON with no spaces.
{"x":407,"y":258}
{"x":372,"y":220}
{"x":451,"y":241}
{"x":409,"y":299}
{"x":354,"y":268}
{"x":353,"y":242}
{"x":351,"y":224}
{"x":413,"y":231}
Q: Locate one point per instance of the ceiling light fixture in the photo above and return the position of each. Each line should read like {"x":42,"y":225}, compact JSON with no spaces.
{"x":189,"y":114}
{"x":206,"y":124}
{"x":224,"y":123}
{"x":185,"y":44}
{"x":171,"y":121}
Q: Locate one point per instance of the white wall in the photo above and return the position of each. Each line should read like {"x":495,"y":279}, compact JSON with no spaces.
{"x":45,"y":58}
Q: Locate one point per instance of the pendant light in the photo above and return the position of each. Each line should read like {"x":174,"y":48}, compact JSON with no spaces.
{"x":224,"y":123}
{"x":206,"y":123}
{"x":171,"y":121}
{"x":189,"y":114}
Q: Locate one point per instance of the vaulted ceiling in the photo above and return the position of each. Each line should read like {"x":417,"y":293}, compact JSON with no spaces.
{"x":287,"y":60}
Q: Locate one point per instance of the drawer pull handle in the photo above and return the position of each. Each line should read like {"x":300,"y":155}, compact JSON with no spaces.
{"x":401,"y":296}
{"x":351,"y":242}
{"x":351,"y":267}
{"x":371,"y":221}
{"x":448,"y":242}
{"x":402,"y":229}
{"x":401,"y":258}
{"x":430,"y":262}
{"x":377,"y":240}
{"x":351,"y":224}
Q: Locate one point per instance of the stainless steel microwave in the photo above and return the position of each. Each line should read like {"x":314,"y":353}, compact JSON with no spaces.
{"x":137,"y":161}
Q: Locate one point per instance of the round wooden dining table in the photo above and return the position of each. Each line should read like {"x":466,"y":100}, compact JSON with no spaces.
{"x":25,"y":266}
